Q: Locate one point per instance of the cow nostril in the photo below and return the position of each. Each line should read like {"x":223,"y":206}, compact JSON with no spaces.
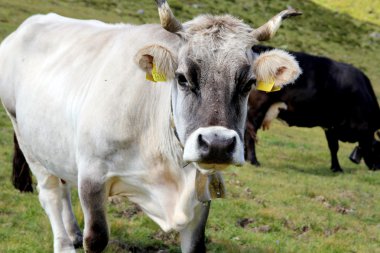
{"x":203,"y":144}
{"x":231,"y":146}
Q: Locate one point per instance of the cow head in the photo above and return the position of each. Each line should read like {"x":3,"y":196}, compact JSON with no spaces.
{"x":372,"y":159}
{"x":213,"y":72}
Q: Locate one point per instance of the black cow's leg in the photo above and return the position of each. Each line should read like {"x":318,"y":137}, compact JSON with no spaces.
{"x":252,"y":149}
{"x":193,"y":236}
{"x":333,"y":143}
{"x":250,"y":143}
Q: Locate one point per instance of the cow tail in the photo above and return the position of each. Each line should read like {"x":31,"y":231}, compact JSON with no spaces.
{"x":21,"y":176}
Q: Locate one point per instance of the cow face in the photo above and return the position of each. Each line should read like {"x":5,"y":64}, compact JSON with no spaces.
{"x":214,"y":75}
{"x":210,"y":99}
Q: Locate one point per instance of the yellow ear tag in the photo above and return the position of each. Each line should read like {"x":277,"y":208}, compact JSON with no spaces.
{"x":265,"y":86}
{"x":277,"y":88}
{"x":156,"y":76}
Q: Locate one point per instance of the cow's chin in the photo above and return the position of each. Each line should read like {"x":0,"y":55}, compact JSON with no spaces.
{"x":210,"y":168}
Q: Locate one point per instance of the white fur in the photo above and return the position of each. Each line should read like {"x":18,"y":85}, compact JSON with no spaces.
{"x":85,"y":110}
{"x":276,"y":65}
{"x":272,"y":114}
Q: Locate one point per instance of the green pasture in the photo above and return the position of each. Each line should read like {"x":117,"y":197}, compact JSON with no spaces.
{"x":292,"y":203}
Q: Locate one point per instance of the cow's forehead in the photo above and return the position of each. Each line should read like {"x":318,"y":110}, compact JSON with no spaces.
{"x":217,"y":34}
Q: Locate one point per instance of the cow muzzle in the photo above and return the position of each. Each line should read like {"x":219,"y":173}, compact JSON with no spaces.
{"x":214,"y":148}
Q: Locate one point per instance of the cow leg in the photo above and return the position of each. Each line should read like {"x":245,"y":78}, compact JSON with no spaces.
{"x":92,"y":194}
{"x":193,"y":236}
{"x":68,"y":217}
{"x":50,"y":196}
{"x":252,"y":149}
{"x":250,"y":145}
{"x":333,"y":143}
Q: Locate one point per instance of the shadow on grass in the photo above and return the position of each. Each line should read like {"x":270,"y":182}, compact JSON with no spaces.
{"x":319,"y":171}
{"x":119,"y":246}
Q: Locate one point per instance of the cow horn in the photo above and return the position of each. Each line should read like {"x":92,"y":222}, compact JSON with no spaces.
{"x":168,"y":21}
{"x":377,"y":135}
{"x":268,"y":30}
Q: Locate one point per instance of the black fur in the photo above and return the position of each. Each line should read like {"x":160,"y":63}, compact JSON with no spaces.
{"x":333,"y":95}
{"x":21,"y":176}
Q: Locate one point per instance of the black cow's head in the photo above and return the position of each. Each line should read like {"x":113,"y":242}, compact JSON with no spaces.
{"x":369,"y":150}
{"x":374,"y":156}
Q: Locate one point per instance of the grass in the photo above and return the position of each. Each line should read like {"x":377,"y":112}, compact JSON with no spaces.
{"x":365,"y":10}
{"x":293,"y":203}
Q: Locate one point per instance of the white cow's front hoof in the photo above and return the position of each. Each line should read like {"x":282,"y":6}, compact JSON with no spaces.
{"x":63,"y":245}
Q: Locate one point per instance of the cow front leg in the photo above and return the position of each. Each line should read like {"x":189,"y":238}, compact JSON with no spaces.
{"x":68,"y":217}
{"x":252,"y":150}
{"x":92,"y":194}
{"x":333,"y":143}
{"x":50,"y":196}
{"x":250,"y":143}
{"x":193,"y":236}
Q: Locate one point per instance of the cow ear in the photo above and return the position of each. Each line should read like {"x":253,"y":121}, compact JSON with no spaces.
{"x":276,"y":66}
{"x":163,"y":60}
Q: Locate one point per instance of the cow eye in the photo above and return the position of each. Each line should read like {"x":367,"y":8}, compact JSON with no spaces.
{"x":181,"y":79}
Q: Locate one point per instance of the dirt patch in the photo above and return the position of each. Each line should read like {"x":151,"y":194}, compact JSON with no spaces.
{"x":344,"y":210}
{"x":166,"y":238}
{"x":244,"y":222}
{"x":130,"y":212}
{"x":289,"y":225}
{"x":332,"y":231}
{"x":262,"y":229}
{"x":117,"y":246}
{"x":339,"y":209}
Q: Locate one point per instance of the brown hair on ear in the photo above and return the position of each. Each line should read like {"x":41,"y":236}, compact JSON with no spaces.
{"x":165,"y":60}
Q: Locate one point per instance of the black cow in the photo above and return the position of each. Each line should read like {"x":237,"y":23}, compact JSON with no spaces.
{"x":333,"y":95}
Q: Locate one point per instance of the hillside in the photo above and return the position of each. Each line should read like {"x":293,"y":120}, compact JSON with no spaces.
{"x":293,"y":203}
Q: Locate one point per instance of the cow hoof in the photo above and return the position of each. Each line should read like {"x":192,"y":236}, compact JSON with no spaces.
{"x":63,"y":245}
{"x":95,"y":243}
{"x":78,"y":241}
{"x":337,"y":170}
{"x":256,"y":163}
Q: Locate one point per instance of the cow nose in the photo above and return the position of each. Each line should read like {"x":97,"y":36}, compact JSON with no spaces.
{"x":214,"y":148}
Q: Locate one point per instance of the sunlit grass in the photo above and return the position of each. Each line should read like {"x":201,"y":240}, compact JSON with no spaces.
{"x":364,"y":10}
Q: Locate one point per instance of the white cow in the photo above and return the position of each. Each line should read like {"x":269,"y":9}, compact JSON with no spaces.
{"x":85,"y":114}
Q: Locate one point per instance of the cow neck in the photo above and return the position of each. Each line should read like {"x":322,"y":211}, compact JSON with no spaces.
{"x":206,"y":186}
{"x":172,"y":125}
